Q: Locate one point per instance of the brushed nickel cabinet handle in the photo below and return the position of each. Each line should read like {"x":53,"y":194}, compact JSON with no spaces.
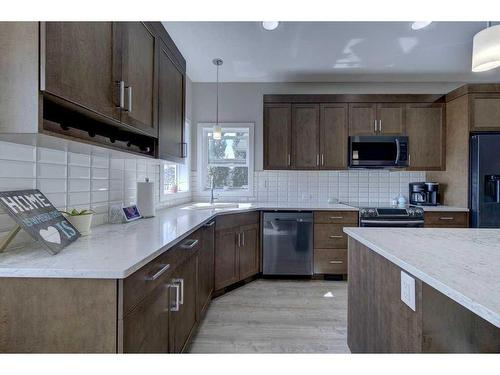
{"x":121,"y":85}
{"x":129,"y":97}
{"x":317,"y":159}
{"x":243,"y":238}
{"x":180,"y":282}
{"x":174,"y":306}
{"x":189,"y":244}
{"x":336,"y":236}
{"x":380,"y":126}
{"x":322,"y":159}
{"x":336,"y":262}
{"x":211,"y":224}
{"x":375,"y":126}
{"x":160,"y":272}
{"x":446,"y":218}
{"x":336,"y":217}
{"x":289,"y":160}
{"x":238,"y":239}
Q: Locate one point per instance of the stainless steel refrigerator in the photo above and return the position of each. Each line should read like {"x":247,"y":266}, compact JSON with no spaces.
{"x":485,"y":180}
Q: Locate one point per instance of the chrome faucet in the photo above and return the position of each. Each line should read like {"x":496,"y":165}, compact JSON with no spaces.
{"x":212,"y":199}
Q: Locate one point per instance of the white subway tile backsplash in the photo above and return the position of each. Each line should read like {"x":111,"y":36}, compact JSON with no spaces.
{"x":100,"y":161}
{"x":78,"y":159}
{"x":77,"y":185}
{"x":99,"y":196}
{"x":17,"y":169}
{"x":47,"y":185}
{"x":78,"y":172}
{"x":14,"y":183}
{"x":80,"y":198}
{"x":100,"y":185}
{"x":45,"y":155}
{"x":11,"y":151}
{"x":100,"y":173}
{"x":51,"y":170}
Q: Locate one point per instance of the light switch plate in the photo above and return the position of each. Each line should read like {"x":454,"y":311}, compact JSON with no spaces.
{"x":408,"y":290}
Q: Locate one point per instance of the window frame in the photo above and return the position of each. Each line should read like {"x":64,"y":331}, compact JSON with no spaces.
{"x":202,"y":159}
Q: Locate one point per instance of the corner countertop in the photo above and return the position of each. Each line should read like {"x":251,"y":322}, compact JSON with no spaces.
{"x":463,"y":264}
{"x":115,"y":251}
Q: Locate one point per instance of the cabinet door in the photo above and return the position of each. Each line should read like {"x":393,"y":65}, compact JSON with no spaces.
{"x":425,"y":127}
{"x":145,"y":329}
{"x":170,"y":108}
{"x":205,"y":268}
{"x":277,"y":136}
{"x":362,"y":118}
{"x":305,"y":136}
{"x":485,"y":112}
{"x":226,"y":257}
{"x":249,"y":259}
{"x":138,"y":71}
{"x":78,"y":62}
{"x":333,"y":136}
{"x":182,"y":322}
{"x":391,"y":118}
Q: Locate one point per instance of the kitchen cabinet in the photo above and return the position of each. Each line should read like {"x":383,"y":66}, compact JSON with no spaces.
{"x":484,"y":112}
{"x":183,"y":307}
{"x":376,"y":119}
{"x":305,"y":136}
{"x":425,"y":128}
{"x":77,"y":64}
{"x":205,"y":268}
{"x":446,"y":219}
{"x":277,"y":136}
{"x":170,"y":108}
{"x":330,"y":241}
{"x":135,"y":50}
{"x":333,"y":136}
{"x":237,"y":248}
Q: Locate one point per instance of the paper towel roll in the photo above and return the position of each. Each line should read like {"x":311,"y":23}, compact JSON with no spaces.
{"x":146,"y":198}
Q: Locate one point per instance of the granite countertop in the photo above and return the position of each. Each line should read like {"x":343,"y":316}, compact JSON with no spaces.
{"x":115,"y":251}
{"x":463,"y":264}
{"x":444,"y":208}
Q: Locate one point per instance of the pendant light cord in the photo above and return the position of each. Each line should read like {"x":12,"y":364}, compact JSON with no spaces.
{"x":217,"y":105}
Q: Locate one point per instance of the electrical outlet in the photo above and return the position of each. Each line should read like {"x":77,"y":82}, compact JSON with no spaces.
{"x":408,"y":290}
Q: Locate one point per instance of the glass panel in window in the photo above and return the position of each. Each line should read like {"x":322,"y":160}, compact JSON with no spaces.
{"x":227,"y":178}
{"x":232,"y":148}
{"x":169,"y":179}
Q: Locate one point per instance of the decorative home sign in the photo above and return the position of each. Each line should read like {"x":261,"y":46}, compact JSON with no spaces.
{"x":34,"y":213}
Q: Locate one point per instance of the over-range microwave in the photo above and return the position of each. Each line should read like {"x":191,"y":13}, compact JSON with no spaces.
{"x":378,"y":151}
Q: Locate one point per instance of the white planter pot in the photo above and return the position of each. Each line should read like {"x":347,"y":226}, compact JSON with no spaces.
{"x":82,"y":223}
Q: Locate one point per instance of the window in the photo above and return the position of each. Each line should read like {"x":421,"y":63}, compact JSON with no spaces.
{"x":175,"y":177}
{"x":227,"y":162}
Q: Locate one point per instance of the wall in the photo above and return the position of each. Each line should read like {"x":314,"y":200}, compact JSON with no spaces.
{"x":242,"y":102}
{"x":99,"y":180}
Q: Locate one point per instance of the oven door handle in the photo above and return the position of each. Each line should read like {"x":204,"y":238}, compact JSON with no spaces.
{"x":391,"y":221}
{"x":398,"y":151}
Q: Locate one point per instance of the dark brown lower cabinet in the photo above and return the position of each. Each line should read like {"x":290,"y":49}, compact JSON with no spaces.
{"x":183,"y":314}
{"x":237,"y":250}
{"x":205,"y":269}
{"x":146,"y":328}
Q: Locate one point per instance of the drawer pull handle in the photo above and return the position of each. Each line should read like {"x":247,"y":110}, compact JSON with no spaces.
{"x":446,"y":218}
{"x":336,"y":262}
{"x":336,"y":236}
{"x":336,"y":217}
{"x":180,"y":283}
{"x":211,"y":224}
{"x":189,"y":244}
{"x":160,"y":272}
{"x":174,"y":305}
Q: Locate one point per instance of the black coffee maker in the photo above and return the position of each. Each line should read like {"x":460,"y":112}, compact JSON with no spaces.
{"x":424,"y":193}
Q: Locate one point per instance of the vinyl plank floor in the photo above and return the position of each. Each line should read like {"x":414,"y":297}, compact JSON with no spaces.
{"x":277,"y":316}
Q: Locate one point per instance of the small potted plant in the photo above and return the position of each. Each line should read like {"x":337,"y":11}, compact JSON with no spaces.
{"x":81,"y":220}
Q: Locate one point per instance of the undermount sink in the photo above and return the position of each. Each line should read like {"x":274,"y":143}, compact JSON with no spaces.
{"x":212,"y":206}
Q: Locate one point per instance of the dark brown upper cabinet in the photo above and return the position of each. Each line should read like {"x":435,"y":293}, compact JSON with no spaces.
{"x":305,"y":136}
{"x":136,"y":49}
{"x":171,"y":105}
{"x":425,"y":128}
{"x":373,"y":119}
{"x":484,"y":112}
{"x":333,"y":136}
{"x":277,"y":136}
{"x":77,"y":65}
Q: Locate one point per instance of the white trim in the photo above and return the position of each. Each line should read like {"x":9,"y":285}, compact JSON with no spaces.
{"x":201,"y":153}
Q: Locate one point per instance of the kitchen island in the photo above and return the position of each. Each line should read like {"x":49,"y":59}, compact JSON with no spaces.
{"x":456,"y":294}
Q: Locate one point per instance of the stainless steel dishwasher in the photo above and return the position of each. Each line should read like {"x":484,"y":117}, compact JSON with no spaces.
{"x":287,"y":243}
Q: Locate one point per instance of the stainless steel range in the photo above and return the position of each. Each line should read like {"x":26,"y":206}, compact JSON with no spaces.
{"x":391,"y":217}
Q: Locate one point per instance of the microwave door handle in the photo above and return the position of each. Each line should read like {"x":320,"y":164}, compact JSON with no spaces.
{"x":398,"y":150}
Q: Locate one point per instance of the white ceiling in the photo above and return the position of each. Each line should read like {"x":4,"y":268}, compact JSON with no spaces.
{"x":329,"y":51}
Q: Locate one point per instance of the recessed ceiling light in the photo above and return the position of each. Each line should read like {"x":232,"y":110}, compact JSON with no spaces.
{"x":417,"y":25}
{"x":270,"y":25}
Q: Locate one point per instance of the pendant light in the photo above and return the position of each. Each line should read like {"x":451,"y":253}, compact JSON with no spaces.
{"x":217,"y":132}
{"x":486,"y":49}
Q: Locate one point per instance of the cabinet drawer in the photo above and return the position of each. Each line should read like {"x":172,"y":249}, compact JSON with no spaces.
{"x":159,"y":271}
{"x":330,"y":261}
{"x":236,"y":220}
{"x":329,"y":236}
{"x":325,"y":217}
{"x":446,"y":219}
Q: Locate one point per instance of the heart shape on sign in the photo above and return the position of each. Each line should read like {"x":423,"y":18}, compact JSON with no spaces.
{"x":51,"y":234}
